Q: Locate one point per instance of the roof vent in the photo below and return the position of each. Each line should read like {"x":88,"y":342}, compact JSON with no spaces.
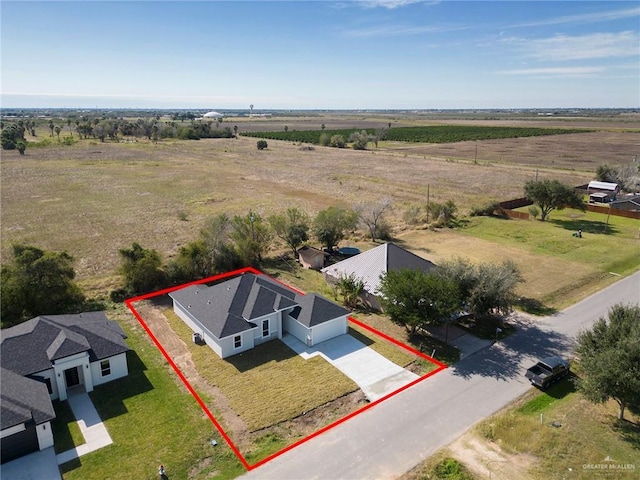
{"x":189,"y":306}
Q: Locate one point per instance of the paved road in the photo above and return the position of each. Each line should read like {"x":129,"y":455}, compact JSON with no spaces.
{"x":393,"y":437}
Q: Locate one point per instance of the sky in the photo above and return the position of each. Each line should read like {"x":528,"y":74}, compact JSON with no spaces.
{"x":375,"y":54}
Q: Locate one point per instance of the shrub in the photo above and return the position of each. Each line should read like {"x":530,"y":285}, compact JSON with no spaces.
{"x":262,"y":144}
{"x":337,"y":141}
{"x":412,"y":215}
{"x":485,"y":210}
{"x":534,"y":211}
{"x":451,"y":469}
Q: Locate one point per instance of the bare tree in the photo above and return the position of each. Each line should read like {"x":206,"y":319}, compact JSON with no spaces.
{"x":372,"y":216}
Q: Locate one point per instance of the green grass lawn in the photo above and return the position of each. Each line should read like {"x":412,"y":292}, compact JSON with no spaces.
{"x":567,"y":268}
{"x":66,"y":432}
{"x":268,"y":384}
{"x":152,"y":420}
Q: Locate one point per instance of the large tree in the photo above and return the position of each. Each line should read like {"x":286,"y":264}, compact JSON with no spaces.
{"x":291,"y":226}
{"x":415,"y":299}
{"x":252,"y":237}
{"x":484,"y":288}
{"x":331,"y":224}
{"x":610,"y":359}
{"x":38,"y":282}
{"x":141,"y":269}
{"x":552,"y":195}
{"x":216,"y":235}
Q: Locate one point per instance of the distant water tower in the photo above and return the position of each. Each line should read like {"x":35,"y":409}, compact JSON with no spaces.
{"x":250,"y":109}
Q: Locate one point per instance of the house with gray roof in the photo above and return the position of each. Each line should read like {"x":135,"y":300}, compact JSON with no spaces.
{"x":238,"y":314}
{"x":370,"y":266}
{"x":42,"y":359}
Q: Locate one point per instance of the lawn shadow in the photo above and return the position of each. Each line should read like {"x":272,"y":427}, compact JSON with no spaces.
{"x":502,"y":361}
{"x":109,"y":398}
{"x":66,"y":467}
{"x":564,"y":387}
{"x":273,"y":351}
{"x":535,"y":307}
{"x":587,"y":226}
{"x":360,"y":337}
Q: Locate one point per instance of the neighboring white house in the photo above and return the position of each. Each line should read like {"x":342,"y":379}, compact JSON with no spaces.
{"x":371,"y":265}
{"x":236,"y":315}
{"x":44,"y":357}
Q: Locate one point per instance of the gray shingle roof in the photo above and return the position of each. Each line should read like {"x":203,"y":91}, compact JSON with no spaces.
{"x":314,"y":309}
{"x":369,"y":266}
{"x":228,"y":308}
{"x":23,"y":399}
{"x":34,"y":345}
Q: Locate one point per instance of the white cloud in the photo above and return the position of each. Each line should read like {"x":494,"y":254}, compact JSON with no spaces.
{"x":555,"y":71}
{"x":582,"y":47}
{"x":391,"y":4}
{"x":584,"y":18}
{"x":401,"y":30}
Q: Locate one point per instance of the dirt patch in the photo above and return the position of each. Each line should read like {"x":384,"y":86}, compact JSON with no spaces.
{"x":487,"y":459}
{"x":179,"y":353}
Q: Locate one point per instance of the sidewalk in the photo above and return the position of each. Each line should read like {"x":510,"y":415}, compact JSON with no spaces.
{"x":91,"y":426}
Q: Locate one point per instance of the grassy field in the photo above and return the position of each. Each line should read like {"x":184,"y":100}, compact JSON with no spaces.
{"x":151,"y":420}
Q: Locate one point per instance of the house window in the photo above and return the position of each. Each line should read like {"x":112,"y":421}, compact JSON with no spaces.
{"x":105,"y":368}
{"x":237,"y":341}
{"x":265,"y":328}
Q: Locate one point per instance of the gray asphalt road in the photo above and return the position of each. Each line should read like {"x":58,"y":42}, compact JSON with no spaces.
{"x":394,"y":436}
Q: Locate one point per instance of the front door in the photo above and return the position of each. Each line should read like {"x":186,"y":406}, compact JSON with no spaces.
{"x":72,"y":377}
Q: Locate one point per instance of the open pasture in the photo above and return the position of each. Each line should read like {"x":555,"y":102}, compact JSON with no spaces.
{"x":92,"y":199}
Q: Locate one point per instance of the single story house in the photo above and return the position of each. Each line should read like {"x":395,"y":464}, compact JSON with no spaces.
{"x":602,"y":192}
{"x":44,"y":357}
{"x":371,"y":265}
{"x":630,"y":203}
{"x":235,"y":315}
{"x":310,"y":257}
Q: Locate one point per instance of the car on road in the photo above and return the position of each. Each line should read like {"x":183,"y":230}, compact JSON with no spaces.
{"x":547,"y":371}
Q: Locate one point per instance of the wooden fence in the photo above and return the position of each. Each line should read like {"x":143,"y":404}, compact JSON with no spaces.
{"x":506,"y":209}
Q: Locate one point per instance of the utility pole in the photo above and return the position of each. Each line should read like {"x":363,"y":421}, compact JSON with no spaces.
{"x":427,"y":203}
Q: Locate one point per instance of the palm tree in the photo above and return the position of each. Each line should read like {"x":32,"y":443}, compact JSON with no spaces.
{"x":51,"y":127}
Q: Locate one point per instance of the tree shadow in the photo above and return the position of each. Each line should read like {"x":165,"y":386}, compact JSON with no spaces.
{"x":535,"y":307}
{"x":502,"y":361}
{"x":587,"y":226}
{"x":628,"y":431}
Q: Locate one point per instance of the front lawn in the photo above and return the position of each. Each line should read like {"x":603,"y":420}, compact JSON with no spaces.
{"x":268,"y":384}
{"x":152,"y":420}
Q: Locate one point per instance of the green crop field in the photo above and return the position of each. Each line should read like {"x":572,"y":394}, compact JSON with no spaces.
{"x":424,"y":134}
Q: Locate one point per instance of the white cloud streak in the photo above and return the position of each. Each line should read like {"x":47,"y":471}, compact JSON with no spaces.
{"x":584,"y":18}
{"x":574,"y":72}
{"x":401,"y":30}
{"x":582,"y":47}
{"x":391,"y":4}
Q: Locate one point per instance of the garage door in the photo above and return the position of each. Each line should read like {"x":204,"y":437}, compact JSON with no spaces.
{"x":19,"y":444}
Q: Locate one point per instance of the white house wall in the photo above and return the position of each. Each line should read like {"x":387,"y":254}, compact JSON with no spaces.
{"x":296,"y":329}
{"x":80,"y":360}
{"x":45,"y":435}
{"x":118,"y":365}
{"x":227,"y":343}
{"x":328,"y":330}
{"x":275,"y":328}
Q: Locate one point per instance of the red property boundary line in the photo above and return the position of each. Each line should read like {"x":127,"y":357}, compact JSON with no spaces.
{"x":129,"y":302}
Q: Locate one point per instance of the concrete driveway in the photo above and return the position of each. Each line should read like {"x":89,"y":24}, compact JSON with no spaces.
{"x":375,"y":375}
{"x":35,"y":466}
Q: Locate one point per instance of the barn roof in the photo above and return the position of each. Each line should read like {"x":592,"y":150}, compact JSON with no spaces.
{"x":603,"y":185}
